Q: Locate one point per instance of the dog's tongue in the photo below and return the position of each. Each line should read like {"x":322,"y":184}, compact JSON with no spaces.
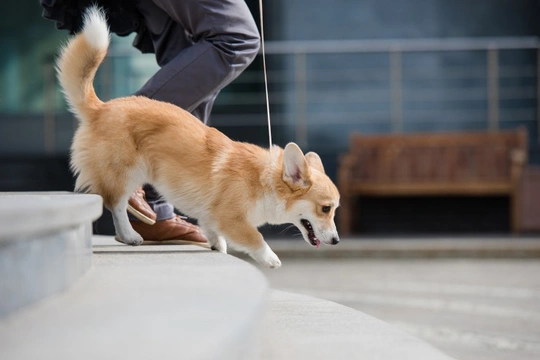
{"x":318,"y":243}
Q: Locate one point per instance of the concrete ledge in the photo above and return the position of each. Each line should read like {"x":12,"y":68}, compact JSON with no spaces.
{"x":304,"y":327}
{"x":184,"y":301}
{"x":431,"y":247}
{"x":23,"y":215}
{"x":45,"y":244}
{"x":147,"y":302}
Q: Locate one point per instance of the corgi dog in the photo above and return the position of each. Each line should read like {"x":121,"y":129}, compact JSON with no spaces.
{"x":231,"y":187}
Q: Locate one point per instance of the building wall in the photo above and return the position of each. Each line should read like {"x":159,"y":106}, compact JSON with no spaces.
{"x":433,"y":98}
{"x":386,"y":19}
{"x":354,"y":96}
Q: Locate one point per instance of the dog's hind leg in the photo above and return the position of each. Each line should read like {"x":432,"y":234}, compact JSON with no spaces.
{"x":124,"y":230}
{"x":116,"y":200}
{"x":216,"y":242}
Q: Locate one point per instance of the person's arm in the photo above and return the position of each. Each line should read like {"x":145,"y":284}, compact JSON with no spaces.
{"x":122,"y":16}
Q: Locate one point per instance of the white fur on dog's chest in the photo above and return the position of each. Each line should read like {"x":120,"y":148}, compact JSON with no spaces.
{"x":267,"y":210}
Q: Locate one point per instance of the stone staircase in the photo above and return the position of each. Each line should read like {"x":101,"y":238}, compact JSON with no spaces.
{"x":66,"y":295}
{"x":45,"y":244}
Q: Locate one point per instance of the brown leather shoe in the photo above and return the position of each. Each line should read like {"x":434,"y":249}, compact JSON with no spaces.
{"x":171,"y":229}
{"x":138,"y":207}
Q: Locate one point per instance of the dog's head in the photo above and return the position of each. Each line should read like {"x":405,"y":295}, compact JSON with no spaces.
{"x":310,"y":196}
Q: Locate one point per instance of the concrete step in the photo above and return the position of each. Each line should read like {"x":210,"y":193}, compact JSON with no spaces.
{"x":45,"y":244}
{"x":147,"y":302}
{"x":303,"y":327}
{"x":184,"y":301}
{"x":492,"y":247}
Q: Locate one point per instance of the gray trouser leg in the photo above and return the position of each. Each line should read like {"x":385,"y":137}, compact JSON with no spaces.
{"x":201,"y":46}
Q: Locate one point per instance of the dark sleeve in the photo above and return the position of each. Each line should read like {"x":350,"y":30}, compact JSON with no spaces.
{"x":122,"y":16}
{"x":67,"y":14}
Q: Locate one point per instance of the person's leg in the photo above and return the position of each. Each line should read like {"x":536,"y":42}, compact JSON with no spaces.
{"x":201,"y":46}
{"x":162,"y":209}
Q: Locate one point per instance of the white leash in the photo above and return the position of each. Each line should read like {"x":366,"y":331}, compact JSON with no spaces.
{"x":265,"y":77}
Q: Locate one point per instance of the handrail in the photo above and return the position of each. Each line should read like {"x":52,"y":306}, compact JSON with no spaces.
{"x":404,"y":45}
{"x":385,"y":45}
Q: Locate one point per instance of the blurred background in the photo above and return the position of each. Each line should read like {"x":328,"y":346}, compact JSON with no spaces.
{"x":426,"y":113}
{"x":377,"y":67}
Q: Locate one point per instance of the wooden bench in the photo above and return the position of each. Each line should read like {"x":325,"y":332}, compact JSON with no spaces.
{"x":432,"y":164}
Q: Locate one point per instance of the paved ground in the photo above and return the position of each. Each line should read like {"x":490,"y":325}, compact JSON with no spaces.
{"x":470,"y":309}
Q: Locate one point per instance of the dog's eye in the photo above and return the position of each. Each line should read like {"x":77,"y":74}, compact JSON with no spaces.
{"x":326,"y":209}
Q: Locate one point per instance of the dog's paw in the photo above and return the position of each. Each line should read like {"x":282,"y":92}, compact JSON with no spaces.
{"x":220,"y":245}
{"x":266,"y":257}
{"x":134,"y":240}
{"x":271,"y":262}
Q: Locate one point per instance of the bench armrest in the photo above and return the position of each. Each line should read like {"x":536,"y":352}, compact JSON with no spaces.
{"x":518,"y":159}
{"x":346,"y":165}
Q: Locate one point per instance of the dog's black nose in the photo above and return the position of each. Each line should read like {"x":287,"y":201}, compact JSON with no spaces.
{"x":335,"y":240}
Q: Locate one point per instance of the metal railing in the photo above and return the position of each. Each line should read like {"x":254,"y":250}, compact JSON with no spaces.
{"x":484,"y":82}
{"x":322,"y":90}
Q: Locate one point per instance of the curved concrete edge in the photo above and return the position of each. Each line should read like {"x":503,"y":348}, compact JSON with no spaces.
{"x":147,"y":302}
{"x":303,"y":327}
{"x":24,"y":215}
{"x":415,"y":247}
{"x":45,"y":244}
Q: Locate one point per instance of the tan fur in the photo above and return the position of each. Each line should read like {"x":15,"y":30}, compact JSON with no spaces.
{"x":231,"y":187}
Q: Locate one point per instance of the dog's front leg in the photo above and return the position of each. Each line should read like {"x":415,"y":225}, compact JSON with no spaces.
{"x":246,"y":238}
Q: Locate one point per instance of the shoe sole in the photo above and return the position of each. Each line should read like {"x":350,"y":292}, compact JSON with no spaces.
{"x":169,"y":242}
{"x":145,"y":219}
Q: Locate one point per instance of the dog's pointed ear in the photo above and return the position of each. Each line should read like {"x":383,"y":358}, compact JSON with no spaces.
{"x":296,"y":171}
{"x":314,"y":160}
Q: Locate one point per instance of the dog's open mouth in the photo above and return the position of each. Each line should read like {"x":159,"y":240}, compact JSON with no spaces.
{"x":311,"y":234}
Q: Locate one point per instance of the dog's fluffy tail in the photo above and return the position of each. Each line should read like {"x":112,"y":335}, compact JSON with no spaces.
{"x":79,"y":60}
